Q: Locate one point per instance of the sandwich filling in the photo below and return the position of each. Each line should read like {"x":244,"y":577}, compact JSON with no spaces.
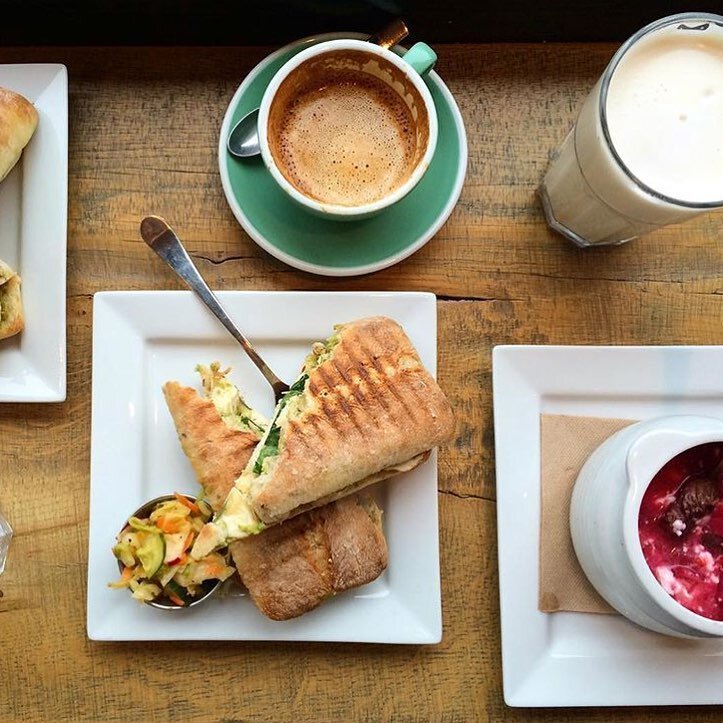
{"x":237,"y":519}
{"x":228,"y":401}
{"x":291,"y":405}
{"x":269,"y":445}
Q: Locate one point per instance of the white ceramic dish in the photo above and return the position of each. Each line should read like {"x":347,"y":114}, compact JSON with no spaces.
{"x":141,"y":340}
{"x":33,"y":238}
{"x":381,"y":72}
{"x":604,"y":520}
{"x":578,"y":659}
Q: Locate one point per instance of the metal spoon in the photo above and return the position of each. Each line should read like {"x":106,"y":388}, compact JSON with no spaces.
{"x":243,"y":140}
{"x":156,"y":232}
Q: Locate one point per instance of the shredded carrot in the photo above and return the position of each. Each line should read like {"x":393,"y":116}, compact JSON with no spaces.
{"x":169,"y":525}
{"x":125,"y":578}
{"x":180,"y":560}
{"x":187,"y":503}
{"x":175,"y":599}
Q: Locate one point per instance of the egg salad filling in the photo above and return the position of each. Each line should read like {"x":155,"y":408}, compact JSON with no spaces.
{"x":228,"y":402}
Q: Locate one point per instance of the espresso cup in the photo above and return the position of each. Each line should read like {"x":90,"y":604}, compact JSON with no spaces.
{"x":348,"y":128}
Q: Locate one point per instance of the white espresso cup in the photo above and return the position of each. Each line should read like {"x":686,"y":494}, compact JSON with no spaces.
{"x":348,"y":128}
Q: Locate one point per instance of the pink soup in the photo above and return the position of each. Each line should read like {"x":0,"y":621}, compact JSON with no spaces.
{"x":681,"y":529}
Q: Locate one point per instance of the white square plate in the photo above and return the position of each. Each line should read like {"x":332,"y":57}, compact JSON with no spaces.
{"x":33,"y":238}
{"x":143,"y":339}
{"x":582,"y":659}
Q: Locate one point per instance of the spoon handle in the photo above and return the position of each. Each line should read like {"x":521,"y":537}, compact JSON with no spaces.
{"x":156,"y":232}
{"x":391,"y":34}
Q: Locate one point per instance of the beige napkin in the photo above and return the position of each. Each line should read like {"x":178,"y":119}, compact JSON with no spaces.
{"x":565,"y":444}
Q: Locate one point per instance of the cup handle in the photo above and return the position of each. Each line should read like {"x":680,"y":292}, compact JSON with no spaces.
{"x":421,"y":57}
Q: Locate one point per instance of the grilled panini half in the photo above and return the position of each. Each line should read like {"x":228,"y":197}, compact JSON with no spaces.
{"x":288,"y":569}
{"x":363,"y":410}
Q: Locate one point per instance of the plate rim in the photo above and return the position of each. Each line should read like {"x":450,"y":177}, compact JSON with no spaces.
{"x":519,"y":670}
{"x":418,"y":630}
{"x":322,"y":269}
{"x":52,"y":388}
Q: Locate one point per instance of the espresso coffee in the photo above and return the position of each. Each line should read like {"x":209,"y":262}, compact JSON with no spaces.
{"x":344,"y":137}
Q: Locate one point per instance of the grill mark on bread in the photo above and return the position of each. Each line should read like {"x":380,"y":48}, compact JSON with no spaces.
{"x":381,"y":362}
{"x":301,"y":432}
{"x":365,"y":389}
{"x":359,"y":394}
{"x":388,"y":388}
{"x":348,"y":412}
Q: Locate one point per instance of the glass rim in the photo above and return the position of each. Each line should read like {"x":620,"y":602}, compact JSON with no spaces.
{"x":605,"y":85}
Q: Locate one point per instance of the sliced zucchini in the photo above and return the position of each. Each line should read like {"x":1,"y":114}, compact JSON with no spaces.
{"x":151,"y":554}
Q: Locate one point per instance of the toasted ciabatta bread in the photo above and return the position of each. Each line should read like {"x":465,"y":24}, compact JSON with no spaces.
{"x":12,"y":320}
{"x":368,"y":410}
{"x":18,"y":121}
{"x":289,"y":569}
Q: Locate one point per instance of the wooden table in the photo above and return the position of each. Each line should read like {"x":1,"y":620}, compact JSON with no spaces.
{"x":143,"y":136}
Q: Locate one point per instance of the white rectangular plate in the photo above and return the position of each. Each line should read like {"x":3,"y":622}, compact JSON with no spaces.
{"x":33,"y":223}
{"x":581,"y":659}
{"x":143,"y":339}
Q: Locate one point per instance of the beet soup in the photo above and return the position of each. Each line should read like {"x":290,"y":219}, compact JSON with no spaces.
{"x":680,"y":525}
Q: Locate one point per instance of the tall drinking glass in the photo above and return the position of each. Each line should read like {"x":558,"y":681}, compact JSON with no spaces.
{"x":647,"y":147}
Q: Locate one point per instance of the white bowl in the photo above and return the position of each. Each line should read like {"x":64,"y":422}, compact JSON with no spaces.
{"x":604,"y":521}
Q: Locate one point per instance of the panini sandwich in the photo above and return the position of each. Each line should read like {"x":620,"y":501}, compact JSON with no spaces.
{"x":288,"y":569}
{"x":363,"y":409}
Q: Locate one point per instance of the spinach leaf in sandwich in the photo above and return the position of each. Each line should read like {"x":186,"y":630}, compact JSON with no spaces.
{"x":271,"y":443}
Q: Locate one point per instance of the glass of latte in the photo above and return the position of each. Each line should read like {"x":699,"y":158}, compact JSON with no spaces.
{"x":647,"y":147}
{"x":347,"y":128}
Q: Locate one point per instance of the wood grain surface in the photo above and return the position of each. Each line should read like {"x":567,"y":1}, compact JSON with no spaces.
{"x":143,"y":138}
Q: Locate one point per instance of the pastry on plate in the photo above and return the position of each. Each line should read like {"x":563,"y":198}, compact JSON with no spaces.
{"x":18,"y":121}
{"x":12,"y":319}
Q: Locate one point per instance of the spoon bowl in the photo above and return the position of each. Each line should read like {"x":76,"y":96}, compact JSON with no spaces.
{"x":243,"y":141}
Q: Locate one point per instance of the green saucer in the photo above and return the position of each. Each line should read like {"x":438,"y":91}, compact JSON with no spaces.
{"x":340,"y":248}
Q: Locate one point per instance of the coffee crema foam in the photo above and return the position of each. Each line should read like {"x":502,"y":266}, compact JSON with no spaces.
{"x":346,"y":139}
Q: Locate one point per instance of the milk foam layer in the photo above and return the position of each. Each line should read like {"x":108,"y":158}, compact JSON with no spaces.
{"x":345,"y":140}
{"x":665,"y":112}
